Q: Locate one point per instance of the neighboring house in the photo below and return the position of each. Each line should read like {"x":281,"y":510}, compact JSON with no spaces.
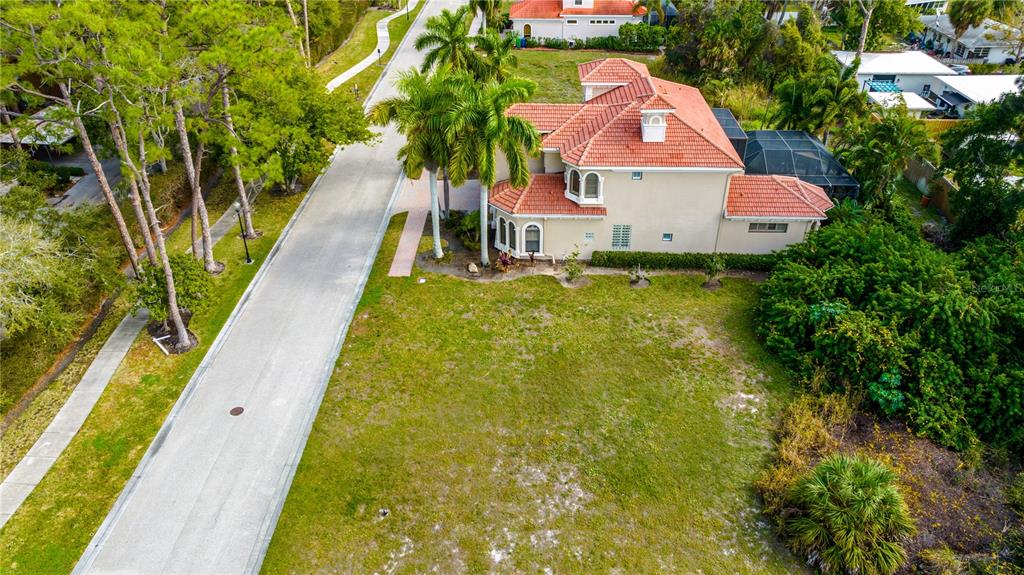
{"x":916,"y":105}
{"x":927,"y":6}
{"x":911,"y":71}
{"x":989,"y":43}
{"x":572,"y":19}
{"x":643,"y":164}
{"x":959,"y":93}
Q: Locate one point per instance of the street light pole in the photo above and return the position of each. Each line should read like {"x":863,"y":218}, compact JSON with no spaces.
{"x":378,"y":57}
{"x":241,"y":229}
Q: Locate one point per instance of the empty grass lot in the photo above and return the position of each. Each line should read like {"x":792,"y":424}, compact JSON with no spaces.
{"x":555,"y":73}
{"x":524,"y":427}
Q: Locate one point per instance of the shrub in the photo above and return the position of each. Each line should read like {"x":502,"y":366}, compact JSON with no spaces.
{"x":849,"y":517}
{"x":191,"y":281}
{"x":681,"y":261}
{"x":640,"y":37}
{"x":1015,"y":494}
{"x":573,"y":268}
{"x":468,"y":228}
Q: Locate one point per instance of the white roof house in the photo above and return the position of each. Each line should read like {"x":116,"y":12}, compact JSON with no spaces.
{"x":961,"y":92}
{"x":911,"y":71}
{"x":916,"y":105}
{"x":989,"y":43}
{"x":40,"y":130}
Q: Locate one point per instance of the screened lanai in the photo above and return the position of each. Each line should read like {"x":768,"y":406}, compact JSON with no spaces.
{"x":797,"y":153}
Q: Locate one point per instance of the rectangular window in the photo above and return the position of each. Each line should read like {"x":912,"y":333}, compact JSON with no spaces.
{"x":621,"y":235}
{"x":982,"y":52}
{"x":638,"y":175}
{"x":588,"y":237}
{"x":579,"y":2}
{"x":666,"y":237}
{"x":960,"y":49}
{"x":570,"y":22}
{"x":767,"y":228}
{"x":532,"y":239}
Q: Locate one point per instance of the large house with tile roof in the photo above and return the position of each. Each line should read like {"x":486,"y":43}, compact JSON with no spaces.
{"x":572,"y":19}
{"x":643,"y":165}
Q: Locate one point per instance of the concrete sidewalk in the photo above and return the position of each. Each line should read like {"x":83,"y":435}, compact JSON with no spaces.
{"x":415,"y":199}
{"x":383,"y":42}
{"x":208,"y":492}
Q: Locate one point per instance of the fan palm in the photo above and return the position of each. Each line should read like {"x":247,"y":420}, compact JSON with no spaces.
{"x":481,"y":127}
{"x":499,"y":56}
{"x":849,"y":517}
{"x":447,"y":41}
{"x":418,"y":111}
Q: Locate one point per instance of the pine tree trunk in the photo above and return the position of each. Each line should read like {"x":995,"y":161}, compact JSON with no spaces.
{"x":117,"y":133}
{"x":198,"y":204}
{"x":485,"y":259}
{"x":172,"y":295}
{"x":5,"y":118}
{"x":243,"y":199}
{"x":305,"y":23}
{"x":435,"y":217}
{"x":108,"y":194}
{"x":295,"y":22}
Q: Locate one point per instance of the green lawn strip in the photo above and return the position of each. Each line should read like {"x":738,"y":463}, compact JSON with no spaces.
{"x":908,"y":194}
{"x":363,"y":82}
{"x":555,"y":73}
{"x":51,"y":529}
{"x":517,"y":426}
{"x":360,"y":44}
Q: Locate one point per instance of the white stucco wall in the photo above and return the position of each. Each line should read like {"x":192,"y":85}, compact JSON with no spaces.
{"x":539,"y":28}
{"x":564,"y":27}
{"x":907,"y":82}
{"x":736,"y":237}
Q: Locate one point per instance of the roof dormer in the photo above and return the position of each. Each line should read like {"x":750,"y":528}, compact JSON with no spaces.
{"x":653,"y":124}
{"x":577,"y":3}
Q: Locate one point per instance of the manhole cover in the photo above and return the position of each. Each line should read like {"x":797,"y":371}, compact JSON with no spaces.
{"x":237,"y":410}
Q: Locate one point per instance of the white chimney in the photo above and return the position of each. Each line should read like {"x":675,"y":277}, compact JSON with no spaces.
{"x":652,"y":125}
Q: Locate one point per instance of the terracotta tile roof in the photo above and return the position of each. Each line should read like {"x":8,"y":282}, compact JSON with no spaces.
{"x":545,"y":117}
{"x":535,"y":9}
{"x":776,"y":196}
{"x":551,"y":9}
{"x":606,"y":131}
{"x":544,"y":195}
{"x":612,"y":70}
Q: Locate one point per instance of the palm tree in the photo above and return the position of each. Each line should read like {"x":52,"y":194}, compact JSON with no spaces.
{"x":419,"y":111}
{"x":480,"y":127}
{"x":499,"y":56}
{"x":849,"y":517}
{"x":837,"y":95}
{"x":488,"y":10}
{"x":654,"y":6}
{"x":447,"y":41}
{"x":965,"y":14}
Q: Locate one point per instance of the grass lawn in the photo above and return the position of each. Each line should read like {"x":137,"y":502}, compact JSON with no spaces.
{"x":908,"y":194}
{"x":51,"y":529}
{"x":554,"y":71}
{"x":521,"y":426}
{"x":359,"y":45}
{"x":363,"y":82}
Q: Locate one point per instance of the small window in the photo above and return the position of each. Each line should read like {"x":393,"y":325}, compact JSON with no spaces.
{"x":574,"y":183}
{"x":511,"y":235}
{"x":532,"y":238}
{"x":926,"y":89}
{"x":766,"y":228}
{"x":621,"y":235}
{"x":571,"y":22}
{"x":592,"y":187}
{"x":501,"y":232}
{"x":638,"y":175}
{"x":578,"y":2}
{"x":589,"y":237}
{"x":666,"y":237}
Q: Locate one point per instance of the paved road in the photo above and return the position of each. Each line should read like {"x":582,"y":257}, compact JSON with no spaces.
{"x":207,"y":494}
{"x":383,"y":42}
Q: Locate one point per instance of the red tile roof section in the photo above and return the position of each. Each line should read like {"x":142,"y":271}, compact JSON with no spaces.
{"x":605,"y":131}
{"x":551,"y":9}
{"x":775,"y":196}
{"x":544,"y":195}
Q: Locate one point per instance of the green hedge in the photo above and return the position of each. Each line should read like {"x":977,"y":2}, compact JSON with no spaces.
{"x":667,"y":261}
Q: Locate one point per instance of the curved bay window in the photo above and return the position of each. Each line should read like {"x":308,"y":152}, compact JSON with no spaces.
{"x":512,"y":236}
{"x":501,"y":232}
{"x":574,"y":183}
{"x":592,"y":187}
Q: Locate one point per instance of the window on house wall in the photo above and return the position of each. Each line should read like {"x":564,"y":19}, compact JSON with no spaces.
{"x":571,"y":22}
{"x":501,"y":232}
{"x":960,"y":49}
{"x":666,"y":237}
{"x":578,"y":2}
{"x":531,"y":237}
{"x":982,"y":52}
{"x":638,"y":175}
{"x":589,"y":237}
{"x":621,"y":236}
{"x":770,"y":228}
{"x":592,"y":189}
{"x":574,"y":183}
{"x":512,"y":236}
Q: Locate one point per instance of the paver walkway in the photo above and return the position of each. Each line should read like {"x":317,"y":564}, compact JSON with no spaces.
{"x":383,"y":41}
{"x":207,"y":493}
{"x":415,"y":199}
{"x":17,"y":486}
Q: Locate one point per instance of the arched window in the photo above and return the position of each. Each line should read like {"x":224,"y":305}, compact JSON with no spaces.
{"x":592,"y":187}
{"x":511,"y":236}
{"x":527,"y":31}
{"x":655,"y":121}
{"x":531,"y":238}
{"x":574,"y":183}
{"x":501,"y":231}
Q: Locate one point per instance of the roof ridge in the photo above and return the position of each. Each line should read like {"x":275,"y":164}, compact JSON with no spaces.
{"x":570,"y":119}
{"x":675,"y":112}
{"x":797,"y":194}
{"x":610,"y":121}
{"x":522,"y":196}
